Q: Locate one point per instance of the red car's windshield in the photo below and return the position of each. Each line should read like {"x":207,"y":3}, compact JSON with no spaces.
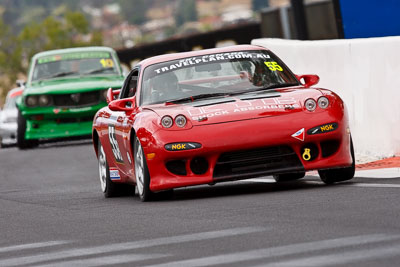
{"x":214,"y":74}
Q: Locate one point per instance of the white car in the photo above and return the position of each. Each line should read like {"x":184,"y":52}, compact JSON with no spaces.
{"x":8,"y":118}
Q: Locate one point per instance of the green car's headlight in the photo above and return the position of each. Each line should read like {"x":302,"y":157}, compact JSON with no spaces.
{"x":31,"y":100}
{"x":44,"y":100}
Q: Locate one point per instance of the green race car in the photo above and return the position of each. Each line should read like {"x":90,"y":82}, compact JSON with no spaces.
{"x":64,"y":90}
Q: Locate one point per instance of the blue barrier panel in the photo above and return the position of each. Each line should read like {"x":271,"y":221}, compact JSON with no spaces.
{"x":370,"y":18}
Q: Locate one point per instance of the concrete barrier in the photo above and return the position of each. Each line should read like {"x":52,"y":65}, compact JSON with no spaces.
{"x":365,"y":73}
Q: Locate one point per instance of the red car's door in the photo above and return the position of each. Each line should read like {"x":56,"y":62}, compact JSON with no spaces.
{"x":108,"y":127}
{"x":123,"y":126}
{"x":126,"y":144}
{"x":114,"y":135}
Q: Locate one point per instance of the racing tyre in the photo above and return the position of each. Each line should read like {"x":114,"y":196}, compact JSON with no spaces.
{"x":23,"y":143}
{"x":289,"y":176}
{"x":338,"y":175}
{"x":108,"y":188}
{"x":142,"y":173}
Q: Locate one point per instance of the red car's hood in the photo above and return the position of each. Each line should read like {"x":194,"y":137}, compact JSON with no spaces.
{"x":241,"y":107}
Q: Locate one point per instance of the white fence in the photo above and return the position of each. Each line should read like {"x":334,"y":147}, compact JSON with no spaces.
{"x":365,"y":73}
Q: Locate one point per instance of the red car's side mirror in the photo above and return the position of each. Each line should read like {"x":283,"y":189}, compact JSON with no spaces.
{"x":125,"y":104}
{"x":112,"y":95}
{"x":309,"y":79}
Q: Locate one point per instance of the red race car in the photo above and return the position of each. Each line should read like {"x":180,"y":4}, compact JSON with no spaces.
{"x":217,"y":115}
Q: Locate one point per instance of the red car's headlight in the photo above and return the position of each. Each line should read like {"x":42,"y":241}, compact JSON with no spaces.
{"x":310,"y":104}
{"x":180,"y":121}
{"x":167,"y":122}
{"x":323,"y":102}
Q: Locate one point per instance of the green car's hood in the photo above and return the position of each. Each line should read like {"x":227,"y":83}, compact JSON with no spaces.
{"x":73,"y":85}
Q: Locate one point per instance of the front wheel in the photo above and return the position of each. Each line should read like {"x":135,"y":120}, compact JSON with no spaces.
{"x":142,"y":173}
{"x":339,"y":175}
{"x":23,"y":143}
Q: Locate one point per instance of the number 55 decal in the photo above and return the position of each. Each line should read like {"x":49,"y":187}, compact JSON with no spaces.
{"x":114,"y":144}
{"x":273,"y":65}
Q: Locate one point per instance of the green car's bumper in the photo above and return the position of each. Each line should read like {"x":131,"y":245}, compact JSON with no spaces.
{"x":47,"y":123}
{"x":50,"y":129}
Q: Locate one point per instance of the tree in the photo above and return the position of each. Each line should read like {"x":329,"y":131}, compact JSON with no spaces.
{"x":186,"y":11}
{"x":54,"y":33}
{"x":10,"y":59}
{"x":51,"y":33}
{"x":135,"y":11}
{"x":76,"y":23}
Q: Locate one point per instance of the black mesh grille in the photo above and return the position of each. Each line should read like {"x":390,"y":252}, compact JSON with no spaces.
{"x":257,"y":162}
{"x":329,"y":147}
{"x":177,"y":167}
{"x":79,"y":99}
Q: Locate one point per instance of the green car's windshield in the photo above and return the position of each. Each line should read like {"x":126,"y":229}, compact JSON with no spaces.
{"x":214,"y":75}
{"x":74,"y":64}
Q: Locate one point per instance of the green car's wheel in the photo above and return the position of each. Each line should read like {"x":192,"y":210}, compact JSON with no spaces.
{"x":339,"y":175}
{"x":23,"y":143}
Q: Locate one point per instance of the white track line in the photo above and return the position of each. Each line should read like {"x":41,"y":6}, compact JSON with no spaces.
{"x":336,"y":259}
{"x":32,"y":245}
{"x":107,"y":260}
{"x":280,"y":251}
{"x":379,"y":173}
{"x":352,"y":184}
{"x":372,"y":185}
{"x":261,"y":180}
{"x":79,"y":252}
{"x":359,"y":184}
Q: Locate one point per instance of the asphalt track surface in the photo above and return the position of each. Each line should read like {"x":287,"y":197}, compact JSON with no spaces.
{"x":53,"y":214}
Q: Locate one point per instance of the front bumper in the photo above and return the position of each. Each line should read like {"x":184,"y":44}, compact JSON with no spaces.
{"x":244,"y":136}
{"x":46,"y":123}
{"x":47,"y":129}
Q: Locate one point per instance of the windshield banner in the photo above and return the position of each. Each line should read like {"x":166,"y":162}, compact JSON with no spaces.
{"x":170,"y":66}
{"x":72,"y":56}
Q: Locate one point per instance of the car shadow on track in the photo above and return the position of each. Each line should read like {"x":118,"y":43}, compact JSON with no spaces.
{"x":64,"y":142}
{"x":240,"y":188}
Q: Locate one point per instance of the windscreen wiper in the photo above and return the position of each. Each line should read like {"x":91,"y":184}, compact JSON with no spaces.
{"x":259,"y":89}
{"x":273,"y":86}
{"x":60,"y":74}
{"x":99,"y":70}
{"x":203,"y":96}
